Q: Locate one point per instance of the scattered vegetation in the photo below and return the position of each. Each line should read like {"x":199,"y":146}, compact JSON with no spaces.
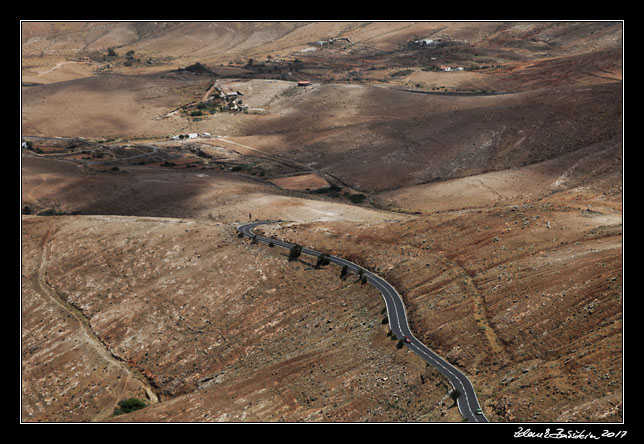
{"x":357,"y":198}
{"x":52,"y":212}
{"x":334,"y":191}
{"x":198,"y":68}
{"x":129,"y":405}
{"x":323,"y":259}
{"x":252,"y":169}
{"x":455,"y":394}
{"x":294,"y":252}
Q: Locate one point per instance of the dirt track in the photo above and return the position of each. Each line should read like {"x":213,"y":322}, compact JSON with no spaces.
{"x":90,"y":336}
{"x":498,"y":216}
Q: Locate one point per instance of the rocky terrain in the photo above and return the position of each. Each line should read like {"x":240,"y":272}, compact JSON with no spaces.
{"x":490,"y":197}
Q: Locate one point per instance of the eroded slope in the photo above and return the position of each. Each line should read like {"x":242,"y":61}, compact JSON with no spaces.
{"x":220,"y":328}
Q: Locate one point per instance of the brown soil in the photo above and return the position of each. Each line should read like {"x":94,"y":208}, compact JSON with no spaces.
{"x":227,"y":342}
{"x":493,"y":202}
{"x":518,"y":296}
{"x":301,"y":182}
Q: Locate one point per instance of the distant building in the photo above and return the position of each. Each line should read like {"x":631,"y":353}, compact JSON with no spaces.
{"x":303,"y":83}
{"x":228,"y":93}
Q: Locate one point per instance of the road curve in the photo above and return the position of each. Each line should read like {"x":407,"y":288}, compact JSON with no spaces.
{"x":467,"y":402}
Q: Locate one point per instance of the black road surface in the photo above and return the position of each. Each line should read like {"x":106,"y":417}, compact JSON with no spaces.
{"x":468,"y":403}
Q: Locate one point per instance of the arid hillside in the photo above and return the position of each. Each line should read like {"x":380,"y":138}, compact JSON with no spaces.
{"x":525,"y":298}
{"x":477,"y":166}
{"x":415,"y":124}
{"x":220,"y":329}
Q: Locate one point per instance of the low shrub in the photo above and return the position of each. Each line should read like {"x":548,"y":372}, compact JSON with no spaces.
{"x":129,"y":405}
{"x":357,"y":198}
{"x":326,"y":190}
{"x":294,"y":252}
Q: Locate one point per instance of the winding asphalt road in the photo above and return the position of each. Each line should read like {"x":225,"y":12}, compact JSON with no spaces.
{"x":468,"y":403}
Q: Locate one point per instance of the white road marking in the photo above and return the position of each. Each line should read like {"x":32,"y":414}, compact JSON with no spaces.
{"x":384,"y":287}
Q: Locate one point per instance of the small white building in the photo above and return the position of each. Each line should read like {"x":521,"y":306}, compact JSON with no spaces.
{"x":227,"y":93}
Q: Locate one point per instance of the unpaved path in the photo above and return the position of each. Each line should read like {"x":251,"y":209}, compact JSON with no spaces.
{"x":91,"y":338}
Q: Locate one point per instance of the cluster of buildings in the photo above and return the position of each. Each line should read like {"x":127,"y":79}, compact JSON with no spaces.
{"x":332,"y":40}
{"x":424,"y":41}
{"x":448,"y":68}
{"x":230,"y":97}
{"x":190,"y":136}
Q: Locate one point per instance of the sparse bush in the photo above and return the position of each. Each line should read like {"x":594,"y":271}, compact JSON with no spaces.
{"x":357,"y":198}
{"x":455,"y":394}
{"x":294,"y":252}
{"x":50,"y":212}
{"x":129,"y":405}
{"x":344,"y":271}
{"x":196,"y":113}
{"x":333,"y":189}
{"x":198,"y":68}
{"x":323,"y":259}
{"x":399,"y":344}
